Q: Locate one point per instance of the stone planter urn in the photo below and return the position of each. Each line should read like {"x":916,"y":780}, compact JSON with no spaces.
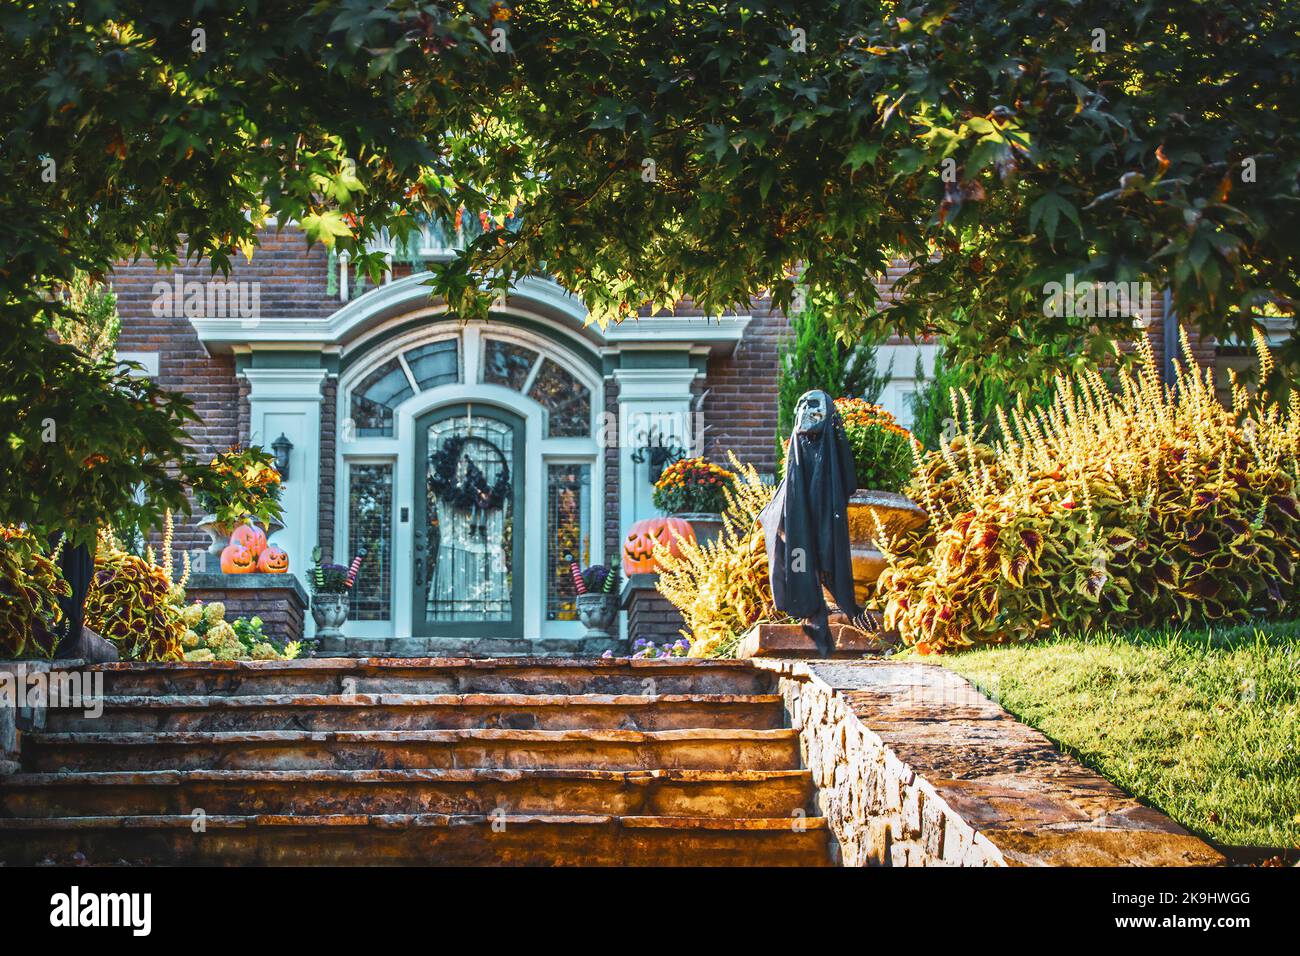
{"x":896,"y":513}
{"x":707,"y":525}
{"x":330,"y":612}
{"x":596,"y":612}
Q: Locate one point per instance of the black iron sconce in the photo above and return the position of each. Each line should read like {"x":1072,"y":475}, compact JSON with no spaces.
{"x":281,"y":447}
{"x":659,"y":451}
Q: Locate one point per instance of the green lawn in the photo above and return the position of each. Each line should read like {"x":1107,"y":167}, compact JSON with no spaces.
{"x":1205,"y":726}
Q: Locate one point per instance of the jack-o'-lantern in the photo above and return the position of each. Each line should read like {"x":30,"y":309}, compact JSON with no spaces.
{"x":236,"y":559}
{"x":249,"y":536}
{"x":274,"y":560}
{"x":639,"y":545}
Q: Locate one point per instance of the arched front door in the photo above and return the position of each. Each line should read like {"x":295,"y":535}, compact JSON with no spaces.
{"x":468,"y":541}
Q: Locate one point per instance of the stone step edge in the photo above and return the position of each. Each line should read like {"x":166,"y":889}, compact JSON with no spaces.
{"x":331,"y":664}
{"x":442,"y":735}
{"x":249,"y":701}
{"x":177,"y":778}
{"x":410,"y":820}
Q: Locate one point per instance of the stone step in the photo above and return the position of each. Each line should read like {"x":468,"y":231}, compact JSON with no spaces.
{"x":686,"y":793}
{"x":405,"y":839}
{"x":436,"y":676}
{"x":694,"y":749}
{"x":425,"y":712}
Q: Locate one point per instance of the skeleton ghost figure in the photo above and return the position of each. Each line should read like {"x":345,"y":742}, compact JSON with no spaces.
{"x":806,"y":524}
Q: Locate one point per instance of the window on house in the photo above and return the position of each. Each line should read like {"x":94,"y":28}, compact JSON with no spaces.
{"x":375,"y":398}
{"x":437,"y":363}
{"x":370,"y":526}
{"x":566,"y":399}
{"x":568,"y":513}
{"x":508,"y":364}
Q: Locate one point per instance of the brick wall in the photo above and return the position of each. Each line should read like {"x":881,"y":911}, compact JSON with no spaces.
{"x":651,"y":617}
{"x":282,"y":609}
{"x":740,"y":408}
{"x":291,"y":283}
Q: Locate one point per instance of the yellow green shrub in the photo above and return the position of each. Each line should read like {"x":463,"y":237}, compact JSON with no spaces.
{"x":722,"y":588}
{"x":1110,"y":508}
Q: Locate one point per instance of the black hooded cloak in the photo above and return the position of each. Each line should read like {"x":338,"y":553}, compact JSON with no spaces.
{"x":806,"y":525}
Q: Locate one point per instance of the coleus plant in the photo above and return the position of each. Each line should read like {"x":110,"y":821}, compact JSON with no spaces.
{"x":1141,"y":506}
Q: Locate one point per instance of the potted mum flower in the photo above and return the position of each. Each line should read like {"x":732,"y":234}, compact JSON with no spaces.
{"x":883,"y":460}
{"x":694,"y":490}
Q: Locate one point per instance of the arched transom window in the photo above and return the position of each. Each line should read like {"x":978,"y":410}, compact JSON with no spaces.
{"x":566,"y":400}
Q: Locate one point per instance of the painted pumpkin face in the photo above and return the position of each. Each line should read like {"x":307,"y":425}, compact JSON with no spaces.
{"x":236,"y":559}
{"x":250,"y":537}
{"x":274,"y":560}
{"x":639,"y":545}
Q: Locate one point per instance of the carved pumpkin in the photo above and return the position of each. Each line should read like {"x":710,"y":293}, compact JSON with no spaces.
{"x":639,"y":545}
{"x":249,"y":536}
{"x":236,"y":559}
{"x":274,"y":560}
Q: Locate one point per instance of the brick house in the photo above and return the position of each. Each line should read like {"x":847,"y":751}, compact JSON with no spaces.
{"x":367,"y":383}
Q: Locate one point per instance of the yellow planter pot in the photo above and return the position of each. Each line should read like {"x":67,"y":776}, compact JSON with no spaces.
{"x":897,"y":514}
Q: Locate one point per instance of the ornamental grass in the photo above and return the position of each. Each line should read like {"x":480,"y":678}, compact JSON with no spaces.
{"x":1111,"y":508}
{"x":722,"y":588}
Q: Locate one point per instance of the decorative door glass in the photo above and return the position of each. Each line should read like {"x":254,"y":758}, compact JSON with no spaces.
{"x":468,"y":549}
{"x":568,"y":516}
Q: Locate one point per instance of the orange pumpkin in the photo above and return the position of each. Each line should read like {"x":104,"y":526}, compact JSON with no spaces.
{"x":249,"y":536}
{"x":236,"y":559}
{"x":274,"y":560}
{"x":639,"y":545}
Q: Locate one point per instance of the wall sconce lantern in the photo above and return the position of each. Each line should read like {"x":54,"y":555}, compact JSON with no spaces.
{"x":281,"y":447}
{"x":659,"y":450}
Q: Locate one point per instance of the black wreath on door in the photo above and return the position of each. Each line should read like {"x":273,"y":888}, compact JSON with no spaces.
{"x":472,"y":491}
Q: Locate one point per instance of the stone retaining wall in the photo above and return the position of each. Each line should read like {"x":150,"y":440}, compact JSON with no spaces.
{"x":915,"y":767}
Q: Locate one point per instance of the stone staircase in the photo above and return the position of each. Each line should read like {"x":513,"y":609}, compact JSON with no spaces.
{"x":388,"y":761}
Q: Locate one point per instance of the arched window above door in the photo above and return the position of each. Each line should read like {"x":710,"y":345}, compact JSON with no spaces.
{"x":566,"y":400}
{"x":377,"y":395}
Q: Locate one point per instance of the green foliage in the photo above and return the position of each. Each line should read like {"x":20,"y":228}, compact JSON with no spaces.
{"x":1107,"y":510}
{"x":1201,"y":725}
{"x":936,"y":404}
{"x":209,"y":636}
{"x":86,"y":444}
{"x":243,"y":485}
{"x":814,"y":358}
{"x":92,"y":325}
{"x":657,"y":150}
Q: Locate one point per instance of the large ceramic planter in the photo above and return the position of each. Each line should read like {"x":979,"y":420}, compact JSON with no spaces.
{"x":896,"y":513}
{"x":596,"y":612}
{"x":707,"y":525}
{"x":330,"y":612}
{"x":219,"y":535}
